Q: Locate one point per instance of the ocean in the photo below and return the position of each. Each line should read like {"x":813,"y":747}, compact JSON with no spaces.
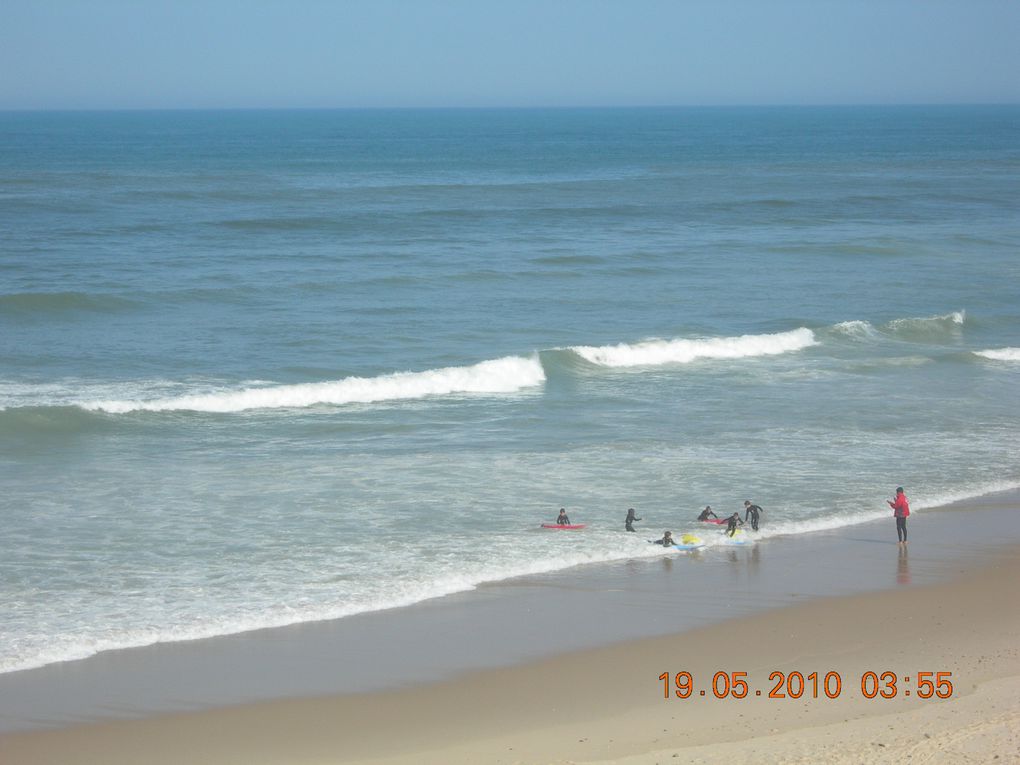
{"x":260,"y":368}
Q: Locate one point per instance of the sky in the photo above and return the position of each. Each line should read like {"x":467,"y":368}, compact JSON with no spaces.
{"x":149,"y":54}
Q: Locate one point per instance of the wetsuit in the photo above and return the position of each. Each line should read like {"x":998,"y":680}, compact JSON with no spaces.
{"x":901,"y":509}
{"x":752,"y":511}
{"x":706,"y":514}
{"x":629,"y":523}
{"x":731,"y":524}
{"x":563,"y":520}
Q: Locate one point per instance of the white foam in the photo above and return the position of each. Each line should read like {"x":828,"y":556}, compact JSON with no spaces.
{"x":73,"y":391}
{"x":842,"y":519}
{"x":1000,"y":354}
{"x":510,"y":557}
{"x":923,"y":502}
{"x":683,"y":351}
{"x":856,"y":329}
{"x":505,"y":375}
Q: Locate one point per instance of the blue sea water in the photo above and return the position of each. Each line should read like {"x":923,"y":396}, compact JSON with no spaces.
{"x":259,"y":368}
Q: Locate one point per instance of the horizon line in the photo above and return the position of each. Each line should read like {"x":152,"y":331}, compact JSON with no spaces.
{"x":605,"y":107}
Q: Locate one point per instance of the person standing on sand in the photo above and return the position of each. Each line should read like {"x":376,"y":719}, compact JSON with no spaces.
{"x":629,"y":523}
{"x":901,"y":509}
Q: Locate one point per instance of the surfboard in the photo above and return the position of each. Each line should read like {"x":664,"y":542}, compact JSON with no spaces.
{"x":689,"y":542}
{"x":696,"y":546}
{"x":740,"y":538}
{"x":714,"y":520}
{"x":566,"y":526}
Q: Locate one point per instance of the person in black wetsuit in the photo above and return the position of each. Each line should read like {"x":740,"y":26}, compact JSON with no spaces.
{"x":629,"y":523}
{"x":667,"y":539}
{"x":752,"y":512}
{"x":707,"y":513}
{"x":731,"y":524}
{"x":562,"y":518}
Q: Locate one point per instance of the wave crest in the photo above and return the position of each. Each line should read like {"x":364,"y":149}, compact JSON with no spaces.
{"x":683,"y":351}
{"x":1000,"y":354}
{"x":928,"y":325}
{"x":505,"y":375}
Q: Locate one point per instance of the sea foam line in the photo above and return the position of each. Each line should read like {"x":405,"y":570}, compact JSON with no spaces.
{"x":506,"y":375}
{"x":859,"y":515}
{"x":566,"y":554}
{"x":559,"y":553}
{"x":683,"y":351}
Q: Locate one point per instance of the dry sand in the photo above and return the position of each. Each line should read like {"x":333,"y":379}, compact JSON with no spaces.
{"x":607,"y":705}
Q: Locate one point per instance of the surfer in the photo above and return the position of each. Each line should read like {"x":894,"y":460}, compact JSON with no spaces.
{"x":752,"y":511}
{"x":901,"y":509}
{"x":667,"y":539}
{"x":562,"y":518}
{"x":731,"y":524}
{"x":629,"y":523}
{"x":707,"y":513}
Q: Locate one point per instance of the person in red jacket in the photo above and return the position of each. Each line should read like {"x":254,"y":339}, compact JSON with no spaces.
{"x":901,"y":509}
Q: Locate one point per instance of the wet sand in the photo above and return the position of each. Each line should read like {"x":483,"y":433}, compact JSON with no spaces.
{"x":565,"y":667}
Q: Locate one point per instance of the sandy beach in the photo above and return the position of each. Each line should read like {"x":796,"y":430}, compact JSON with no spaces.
{"x":941,"y":609}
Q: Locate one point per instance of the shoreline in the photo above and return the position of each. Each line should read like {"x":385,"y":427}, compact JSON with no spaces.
{"x":577,"y":649}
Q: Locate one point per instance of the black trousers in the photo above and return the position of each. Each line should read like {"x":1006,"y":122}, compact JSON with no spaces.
{"x":901,"y":529}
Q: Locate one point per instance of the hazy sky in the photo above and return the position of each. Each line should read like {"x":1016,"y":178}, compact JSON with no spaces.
{"x":97,"y":54}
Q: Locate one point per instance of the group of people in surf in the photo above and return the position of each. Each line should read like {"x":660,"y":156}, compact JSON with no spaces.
{"x":752,"y":515}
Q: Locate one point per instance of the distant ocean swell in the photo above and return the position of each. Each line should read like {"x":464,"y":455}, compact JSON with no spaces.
{"x":46,"y":303}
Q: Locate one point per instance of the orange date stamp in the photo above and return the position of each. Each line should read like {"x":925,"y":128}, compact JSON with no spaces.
{"x":796,"y":685}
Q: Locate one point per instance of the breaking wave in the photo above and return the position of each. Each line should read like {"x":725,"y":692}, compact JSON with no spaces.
{"x":1000,"y":354}
{"x":924,"y":328}
{"x":683,"y":351}
{"x":927,"y":326}
{"x":506,"y":375}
